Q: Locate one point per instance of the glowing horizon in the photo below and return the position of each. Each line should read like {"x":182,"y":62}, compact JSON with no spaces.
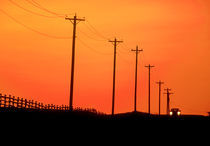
{"x":36,"y":52}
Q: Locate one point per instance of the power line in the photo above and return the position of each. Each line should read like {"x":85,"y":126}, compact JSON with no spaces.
{"x":100,"y":37}
{"x":94,"y":50}
{"x":89,"y":36}
{"x":125,"y":60}
{"x":31,"y":29}
{"x":127,"y":52}
{"x":36,"y":4}
{"x":96,"y":31}
{"x":29,"y":11}
{"x":93,"y":32}
{"x":126,"y":48}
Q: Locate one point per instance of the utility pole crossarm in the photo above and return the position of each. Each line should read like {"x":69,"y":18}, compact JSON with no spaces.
{"x":137,"y":50}
{"x":160,"y":82}
{"x":149,"y":66}
{"x":168,"y":91}
{"x":77,"y":19}
{"x":115,"y":41}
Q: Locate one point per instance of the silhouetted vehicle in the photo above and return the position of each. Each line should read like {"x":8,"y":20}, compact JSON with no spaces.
{"x":175,"y":112}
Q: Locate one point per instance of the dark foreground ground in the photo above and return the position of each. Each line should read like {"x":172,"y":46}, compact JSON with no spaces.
{"x":21,"y":114}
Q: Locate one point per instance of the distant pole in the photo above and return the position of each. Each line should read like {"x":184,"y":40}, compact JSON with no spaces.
{"x":168,"y":100}
{"x":135,"y":96}
{"x":160,"y":83}
{"x":149,"y":67}
{"x":74,"y":21}
{"x":115,"y":43}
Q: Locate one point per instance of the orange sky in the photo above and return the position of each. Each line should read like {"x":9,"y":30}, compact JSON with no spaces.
{"x":174,"y":35}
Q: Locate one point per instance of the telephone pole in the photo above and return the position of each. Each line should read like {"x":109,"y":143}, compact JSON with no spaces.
{"x":149,"y":67}
{"x":160,"y":83}
{"x":135,"y":96}
{"x":74,"y":21}
{"x":115,"y":42}
{"x":168,"y":100}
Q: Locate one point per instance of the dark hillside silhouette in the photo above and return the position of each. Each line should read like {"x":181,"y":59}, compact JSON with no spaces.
{"x":12,"y":108}
{"x":14,"y":114}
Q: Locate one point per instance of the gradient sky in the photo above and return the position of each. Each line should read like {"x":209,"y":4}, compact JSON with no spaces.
{"x":174,"y":35}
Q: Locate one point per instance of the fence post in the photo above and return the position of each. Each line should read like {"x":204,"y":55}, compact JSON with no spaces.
{"x":13,"y":101}
{"x":26,"y":103}
{"x":10,"y":97}
{"x":42,"y":106}
{"x":35,"y":104}
{"x":29,"y":104}
{"x":5,"y":101}
{"x":39,"y":105}
{"x":32,"y":104}
{"x":17,"y":103}
{"x":21,"y":103}
{"x":51,"y":106}
{"x":0,"y":99}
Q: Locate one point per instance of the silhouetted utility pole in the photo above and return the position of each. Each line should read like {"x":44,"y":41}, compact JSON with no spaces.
{"x":168,"y":100}
{"x":160,"y":83}
{"x":74,"y":21}
{"x":135,"y":96}
{"x":115,"y":43}
{"x":149,"y":67}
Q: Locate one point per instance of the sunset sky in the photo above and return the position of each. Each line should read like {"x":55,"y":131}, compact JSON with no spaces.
{"x":36,"y":48}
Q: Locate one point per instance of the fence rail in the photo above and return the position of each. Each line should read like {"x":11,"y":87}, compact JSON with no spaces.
{"x":20,"y":103}
{"x":12,"y":102}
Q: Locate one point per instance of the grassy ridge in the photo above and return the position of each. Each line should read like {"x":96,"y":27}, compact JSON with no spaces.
{"x":27,"y":114}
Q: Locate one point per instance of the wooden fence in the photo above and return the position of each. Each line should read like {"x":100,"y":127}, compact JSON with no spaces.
{"x":12,"y":102}
{"x":20,"y":103}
